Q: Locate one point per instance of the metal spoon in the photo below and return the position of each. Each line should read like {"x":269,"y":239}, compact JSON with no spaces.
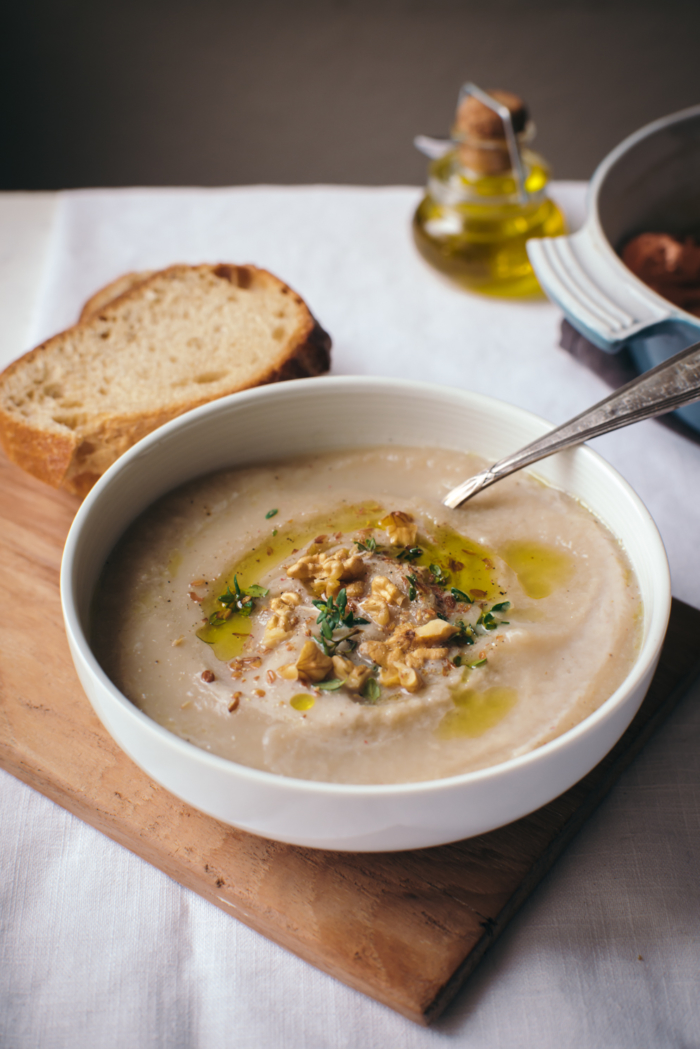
{"x":670,"y":385}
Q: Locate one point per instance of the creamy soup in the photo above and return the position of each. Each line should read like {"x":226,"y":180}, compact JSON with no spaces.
{"x":327,"y":618}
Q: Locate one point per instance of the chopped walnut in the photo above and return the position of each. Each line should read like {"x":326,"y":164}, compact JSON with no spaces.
{"x":378,"y":610}
{"x":313,"y":663}
{"x":326,"y":572}
{"x":400,"y":674}
{"x":377,"y":651}
{"x":385,"y":589}
{"x":436,"y":630}
{"x":384,"y":594}
{"x":280,"y":625}
{"x":409,"y":679}
{"x":406,"y":651}
{"x":354,"y":675}
{"x":304,"y":568}
{"x":400,"y":527}
{"x":342,"y":667}
{"x":291,"y":598}
{"x":402,"y":639}
{"x":358,"y":678}
{"x":419,"y":656}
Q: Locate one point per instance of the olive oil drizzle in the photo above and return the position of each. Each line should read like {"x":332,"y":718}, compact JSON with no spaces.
{"x":462,"y":563}
{"x":228,"y":638}
{"x":540,"y":569}
{"x":474,"y":712}
{"x":302,"y":701}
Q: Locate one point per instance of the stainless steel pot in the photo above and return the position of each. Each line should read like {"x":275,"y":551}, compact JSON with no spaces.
{"x":651,"y":181}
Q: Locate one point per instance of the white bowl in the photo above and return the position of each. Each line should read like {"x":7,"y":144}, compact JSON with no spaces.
{"x":294,"y":418}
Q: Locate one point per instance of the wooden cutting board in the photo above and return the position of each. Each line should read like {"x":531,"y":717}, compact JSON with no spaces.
{"x":405,"y":928}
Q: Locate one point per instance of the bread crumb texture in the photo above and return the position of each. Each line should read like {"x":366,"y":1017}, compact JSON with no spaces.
{"x":147,"y":349}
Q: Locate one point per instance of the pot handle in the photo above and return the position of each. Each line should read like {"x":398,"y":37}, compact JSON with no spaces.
{"x":596,"y":292}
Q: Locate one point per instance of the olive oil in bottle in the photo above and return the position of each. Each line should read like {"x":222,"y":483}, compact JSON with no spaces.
{"x":486,"y":196}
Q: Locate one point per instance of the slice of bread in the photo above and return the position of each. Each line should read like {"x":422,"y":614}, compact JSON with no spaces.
{"x":169,"y":342}
{"x":112,"y":291}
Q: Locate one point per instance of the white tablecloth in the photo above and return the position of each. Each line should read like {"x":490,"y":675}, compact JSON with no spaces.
{"x":97,"y":948}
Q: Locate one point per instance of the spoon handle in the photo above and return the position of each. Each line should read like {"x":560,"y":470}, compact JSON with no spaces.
{"x":670,"y":385}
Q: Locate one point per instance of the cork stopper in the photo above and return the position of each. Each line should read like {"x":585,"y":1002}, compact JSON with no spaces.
{"x":482,"y":135}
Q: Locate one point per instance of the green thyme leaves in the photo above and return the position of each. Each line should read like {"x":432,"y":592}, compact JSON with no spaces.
{"x":331,"y":686}
{"x":487,"y":619}
{"x":412,"y":587}
{"x":370,"y":545}
{"x":332,"y":616}
{"x":439,"y":575}
{"x":409,"y":554}
{"x":256,"y":591}
{"x":460,"y":661}
{"x":371,"y":690}
{"x":240,"y":602}
{"x":270,"y":513}
{"x":459,"y":595}
{"x":466,"y":634}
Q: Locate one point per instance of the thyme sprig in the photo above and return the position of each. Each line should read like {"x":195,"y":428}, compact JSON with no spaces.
{"x":371,"y":690}
{"x":238,"y":601}
{"x":409,"y":554}
{"x":459,"y":661}
{"x":439,"y":575}
{"x":332,"y":616}
{"x":487,"y":619}
{"x":466,"y":634}
{"x":459,"y":595}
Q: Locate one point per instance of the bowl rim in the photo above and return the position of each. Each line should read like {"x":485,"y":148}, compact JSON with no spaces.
{"x":646,"y":657}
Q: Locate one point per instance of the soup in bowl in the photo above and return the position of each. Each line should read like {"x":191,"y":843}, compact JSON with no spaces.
{"x":274,"y":615}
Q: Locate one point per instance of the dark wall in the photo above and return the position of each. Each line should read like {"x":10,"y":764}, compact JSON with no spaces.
{"x":215,"y":92}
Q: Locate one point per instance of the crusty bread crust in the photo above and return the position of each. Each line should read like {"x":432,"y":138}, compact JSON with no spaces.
{"x":110,"y":292}
{"x":73,"y":453}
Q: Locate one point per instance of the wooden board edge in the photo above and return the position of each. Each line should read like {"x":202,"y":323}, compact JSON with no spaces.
{"x":121,"y":836}
{"x":544,"y":864}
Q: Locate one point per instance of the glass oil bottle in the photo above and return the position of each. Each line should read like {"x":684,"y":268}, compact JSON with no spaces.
{"x":486,"y":196}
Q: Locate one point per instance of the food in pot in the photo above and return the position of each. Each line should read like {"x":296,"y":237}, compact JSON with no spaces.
{"x":669,"y":265}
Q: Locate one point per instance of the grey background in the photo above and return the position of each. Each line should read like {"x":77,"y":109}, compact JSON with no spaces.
{"x":217,"y":92}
